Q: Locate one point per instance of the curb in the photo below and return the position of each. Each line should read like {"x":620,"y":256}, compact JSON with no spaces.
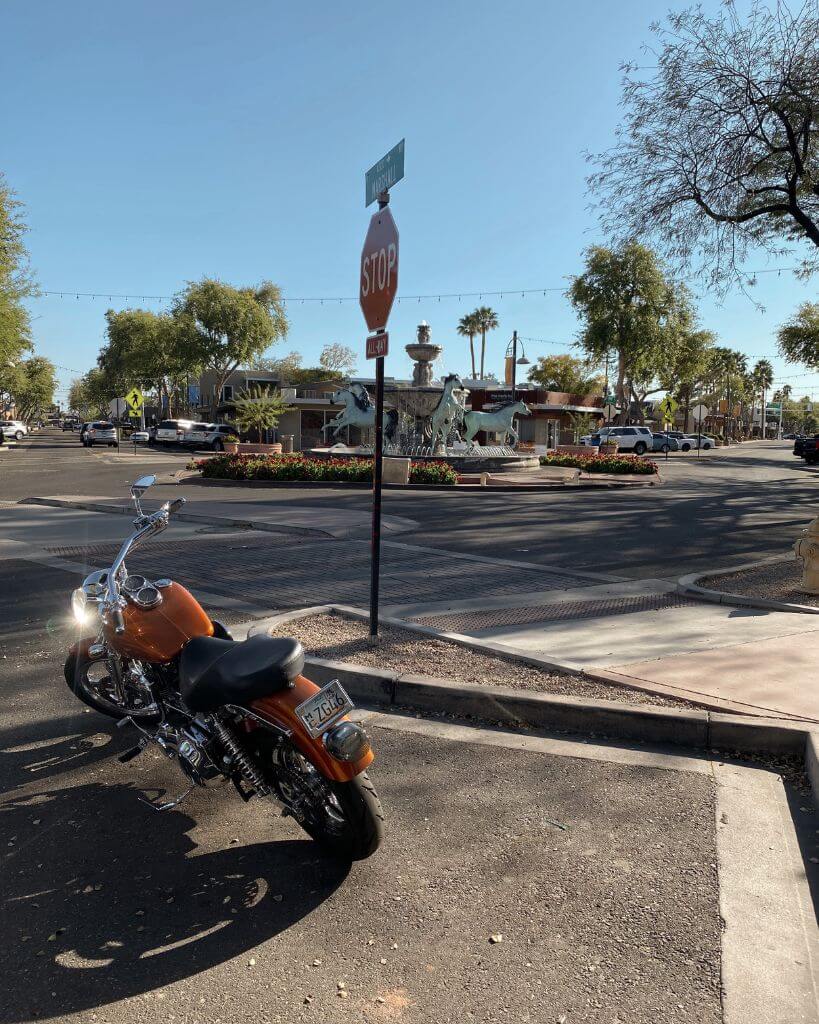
{"x":580,"y":485}
{"x":700,"y":729}
{"x":243,"y":524}
{"x":688,"y":584}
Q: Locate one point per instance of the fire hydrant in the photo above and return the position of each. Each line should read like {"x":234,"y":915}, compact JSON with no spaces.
{"x":807,"y":548}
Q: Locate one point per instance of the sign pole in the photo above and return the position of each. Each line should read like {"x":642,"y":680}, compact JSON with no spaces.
{"x":375,"y":559}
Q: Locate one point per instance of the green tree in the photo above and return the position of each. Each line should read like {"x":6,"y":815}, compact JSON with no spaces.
{"x":762,"y":376}
{"x":78,"y":400}
{"x":223,"y":327}
{"x":16,"y":283}
{"x":147,"y":350}
{"x":487,"y":320}
{"x":284,"y":366}
{"x":718,"y":152}
{"x":799,"y":338}
{"x":256,"y":409}
{"x":685,"y":371}
{"x":728,"y":380}
{"x":565,"y":373}
{"x":628,"y":307}
{"x":468,"y":327}
{"x":338,"y":359}
{"x":91,"y":394}
{"x":34,"y":386}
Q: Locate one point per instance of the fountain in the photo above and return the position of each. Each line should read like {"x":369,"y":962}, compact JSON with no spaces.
{"x":426,"y":419}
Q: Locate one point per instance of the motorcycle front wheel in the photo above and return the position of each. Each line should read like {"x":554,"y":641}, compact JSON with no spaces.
{"x":346,"y":818}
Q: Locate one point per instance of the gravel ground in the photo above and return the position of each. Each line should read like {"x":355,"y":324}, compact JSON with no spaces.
{"x":339,"y":638}
{"x":777,"y":581}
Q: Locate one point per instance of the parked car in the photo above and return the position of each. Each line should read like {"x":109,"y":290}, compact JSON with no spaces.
{"x":663,"y":443}
{"x":211,"y":435}
{"x":629,"y":439}
{"x":807,"y":448}
{"x":14,"y":428}
{"x":139,"y":436}
{"x":69,"y":425}
{"x":172,"y":431}
{"x":689,"y":441}
{"x":99,"y":432}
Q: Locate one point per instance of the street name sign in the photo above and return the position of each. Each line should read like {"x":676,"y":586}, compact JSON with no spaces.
{"x":135,"y":400}
{"x":667,"y":407}
{"x":379,"y":269}
{"x":378,"y":345}
{"x":383,"y":175}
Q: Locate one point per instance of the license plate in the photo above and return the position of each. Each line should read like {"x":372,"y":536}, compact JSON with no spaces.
{"x":325,"y":707}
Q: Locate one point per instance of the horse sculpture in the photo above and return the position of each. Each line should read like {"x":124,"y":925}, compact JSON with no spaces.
{"x":499,"y":421}
{"x":449,"y":411}
{"x":358,"y":411}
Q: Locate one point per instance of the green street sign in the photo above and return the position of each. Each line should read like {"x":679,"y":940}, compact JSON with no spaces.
{"x":384,"y":174}
{"x":610,"y":400}
{"x":775,"y":409}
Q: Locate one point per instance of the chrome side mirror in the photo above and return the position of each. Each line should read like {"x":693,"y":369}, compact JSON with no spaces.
{"x":139,"y":487}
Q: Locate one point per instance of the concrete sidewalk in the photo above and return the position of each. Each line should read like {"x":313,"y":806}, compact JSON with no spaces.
{"x":653,"y":636}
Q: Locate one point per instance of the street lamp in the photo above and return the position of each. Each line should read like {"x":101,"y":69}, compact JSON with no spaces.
{"x":512,"y":350}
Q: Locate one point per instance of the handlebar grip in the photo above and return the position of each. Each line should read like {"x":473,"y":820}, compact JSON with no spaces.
{"x":119,"y":621}
{"x":176,"y":505}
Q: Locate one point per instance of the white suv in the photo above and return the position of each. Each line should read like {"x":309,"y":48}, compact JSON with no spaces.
{"x":629,"y":439}
{"x":14,"y":428}
{"x":210,"y":435}
{"x":172,"y":431}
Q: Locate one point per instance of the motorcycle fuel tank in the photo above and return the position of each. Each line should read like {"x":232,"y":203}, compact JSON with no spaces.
{"x":158,"y":634}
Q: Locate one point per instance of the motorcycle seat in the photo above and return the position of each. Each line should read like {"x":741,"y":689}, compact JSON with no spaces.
{"x":215,"y":672}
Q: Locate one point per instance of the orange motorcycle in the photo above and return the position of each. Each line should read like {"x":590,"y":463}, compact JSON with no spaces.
{"x":221,"y":708}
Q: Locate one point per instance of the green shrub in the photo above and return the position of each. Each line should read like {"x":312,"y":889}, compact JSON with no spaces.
{"x":303,"y":468}
{"x":601,"y":463}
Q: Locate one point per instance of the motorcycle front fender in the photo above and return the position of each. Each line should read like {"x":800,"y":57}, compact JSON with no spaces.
{"x":280,"y":710}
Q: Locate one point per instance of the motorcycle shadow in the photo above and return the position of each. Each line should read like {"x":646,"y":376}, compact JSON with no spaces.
{"x":105,"y":899}
{"x":41,"y":750}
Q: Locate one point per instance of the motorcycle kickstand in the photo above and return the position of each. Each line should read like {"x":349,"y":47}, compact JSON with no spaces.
{"x":170,"y":804}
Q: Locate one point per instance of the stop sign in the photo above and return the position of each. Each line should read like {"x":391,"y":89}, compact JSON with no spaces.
{"x":379,"y":269}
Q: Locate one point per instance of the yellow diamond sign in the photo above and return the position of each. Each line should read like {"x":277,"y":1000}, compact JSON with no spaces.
{"x":135,"y":401}
{"x":668,"y":407}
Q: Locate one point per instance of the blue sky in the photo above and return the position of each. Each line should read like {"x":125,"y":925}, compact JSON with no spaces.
{"x":155,"y":143}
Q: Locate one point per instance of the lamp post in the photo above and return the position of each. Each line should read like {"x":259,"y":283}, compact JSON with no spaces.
{"x":512,"y":350}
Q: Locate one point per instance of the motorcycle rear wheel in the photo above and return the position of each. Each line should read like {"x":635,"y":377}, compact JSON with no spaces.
{"x":345,"y":818}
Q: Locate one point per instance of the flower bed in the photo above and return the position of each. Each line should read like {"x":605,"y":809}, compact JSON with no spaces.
{"x":301,"y":467}
{"x":619,"y":464}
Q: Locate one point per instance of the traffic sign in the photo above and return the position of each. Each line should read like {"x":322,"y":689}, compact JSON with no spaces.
{"x":667,"y":407}
{"x":379,"y":269}
{"x":383,"y":175}
{"x":610,"y":410}
{"x":135,"y":400}
{"x":378,"y":345}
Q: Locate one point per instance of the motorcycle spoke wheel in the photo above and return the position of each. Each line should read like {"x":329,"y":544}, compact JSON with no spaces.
{"x":345,"y":818}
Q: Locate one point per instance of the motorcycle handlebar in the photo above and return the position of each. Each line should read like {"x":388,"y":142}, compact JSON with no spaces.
{"x":119,"y":621}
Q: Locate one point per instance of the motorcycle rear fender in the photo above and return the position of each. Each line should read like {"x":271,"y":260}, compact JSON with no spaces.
{"x":280,"y":710}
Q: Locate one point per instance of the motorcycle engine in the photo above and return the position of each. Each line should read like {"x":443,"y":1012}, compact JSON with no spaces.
{"x":196,"y":753}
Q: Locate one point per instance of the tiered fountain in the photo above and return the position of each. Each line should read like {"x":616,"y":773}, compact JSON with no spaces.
{"x":424,"y":419}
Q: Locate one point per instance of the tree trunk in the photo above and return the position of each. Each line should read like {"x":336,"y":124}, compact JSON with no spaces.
{"x":687,"y":407}
{"x":472,"y":353}
{"x":619,"y":388}
{"x":764,"y":418}
{"x":483,"y":349}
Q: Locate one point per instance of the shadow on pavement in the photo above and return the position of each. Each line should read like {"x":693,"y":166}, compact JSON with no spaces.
{"x":106,"y":899}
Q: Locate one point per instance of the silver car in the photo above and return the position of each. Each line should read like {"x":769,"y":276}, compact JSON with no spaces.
{"x":100,"y":432}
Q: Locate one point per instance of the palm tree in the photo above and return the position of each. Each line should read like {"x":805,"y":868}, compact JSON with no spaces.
{"x":468,"y":328}
{"x":487,"y":320}
{"x":763,"y":375}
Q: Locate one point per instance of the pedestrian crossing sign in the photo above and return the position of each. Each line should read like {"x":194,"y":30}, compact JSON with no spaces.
{"x":135,"y":402}
{"x":668,"y":407}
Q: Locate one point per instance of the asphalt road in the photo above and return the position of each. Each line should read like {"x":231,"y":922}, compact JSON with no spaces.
{"x":599,"y":877}
{"x":727,"y":507}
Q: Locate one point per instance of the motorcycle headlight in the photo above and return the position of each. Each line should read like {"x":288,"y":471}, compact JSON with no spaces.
{"x":79,"y":607}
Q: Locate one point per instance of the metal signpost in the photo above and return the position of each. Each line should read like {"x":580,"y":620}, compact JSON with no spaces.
{"x":667,"y":407}
{"x":382,"y":176}
{"x":698,"y":412}
{"x":378,"y":285}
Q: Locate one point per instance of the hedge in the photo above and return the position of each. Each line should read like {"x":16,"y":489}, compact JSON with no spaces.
{"x":301,"y":467}
{"x":602,"y":463}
